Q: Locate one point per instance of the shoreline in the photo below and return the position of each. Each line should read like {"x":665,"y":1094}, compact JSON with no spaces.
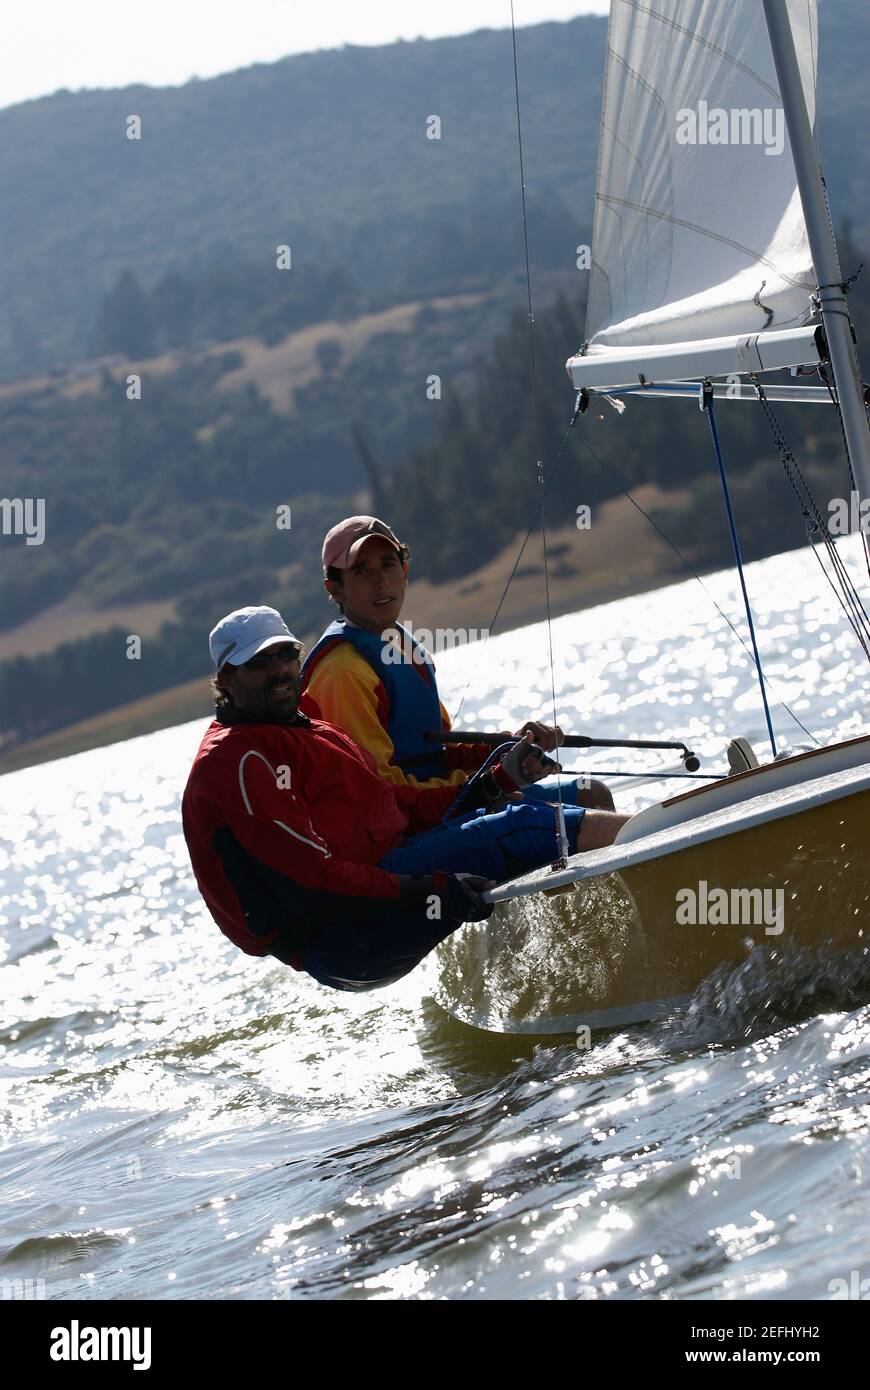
{"x":191,"y":700}
{"x":617,"y":557}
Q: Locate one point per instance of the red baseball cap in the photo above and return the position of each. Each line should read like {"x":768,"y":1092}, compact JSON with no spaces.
{"x":344,"y":542}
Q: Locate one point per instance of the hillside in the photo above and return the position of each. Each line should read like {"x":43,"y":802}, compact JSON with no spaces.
{"x":327,"y":152}
{"x":266,"y":407}
{"x":620,"y":555}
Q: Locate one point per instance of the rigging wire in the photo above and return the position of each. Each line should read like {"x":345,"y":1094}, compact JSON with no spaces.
{"x":841,"y":582}
{"x":732,"y":526}
{"x":562,"y":847}
{"x":693,"y":574}
{"x":858,"y":617}
{"x":828,"y":378}
{"x":612,"y":472}
{"x":531,"y":526}
{"x":835,"y":401}
{"x":525,"y":219}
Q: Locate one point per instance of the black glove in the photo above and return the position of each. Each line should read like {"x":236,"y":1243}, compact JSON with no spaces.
{"x":459,"y":894}
{"x":507,"y":776}
{"x":509,"y":772}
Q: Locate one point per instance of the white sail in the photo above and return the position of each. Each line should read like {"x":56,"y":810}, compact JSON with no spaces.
{"x":699,"y":234}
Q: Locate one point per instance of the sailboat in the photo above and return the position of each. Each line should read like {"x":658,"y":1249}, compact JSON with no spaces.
{"x":713,"y":263}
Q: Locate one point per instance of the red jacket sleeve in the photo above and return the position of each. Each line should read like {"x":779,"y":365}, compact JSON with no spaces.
{"x":274,"y":824}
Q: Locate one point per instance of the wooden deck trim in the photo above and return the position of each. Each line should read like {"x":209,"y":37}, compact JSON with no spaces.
{"x":754,"y":771}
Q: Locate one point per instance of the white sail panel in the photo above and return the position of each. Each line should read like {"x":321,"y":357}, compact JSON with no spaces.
{"x":698,"y":230}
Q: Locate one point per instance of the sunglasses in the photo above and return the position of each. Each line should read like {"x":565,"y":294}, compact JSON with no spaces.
{"x":260,"y":662}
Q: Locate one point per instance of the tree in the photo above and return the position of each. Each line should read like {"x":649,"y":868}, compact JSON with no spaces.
{"x":125,"y":322}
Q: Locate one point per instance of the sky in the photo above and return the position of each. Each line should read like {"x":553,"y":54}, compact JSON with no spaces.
{"x":111,"y":43}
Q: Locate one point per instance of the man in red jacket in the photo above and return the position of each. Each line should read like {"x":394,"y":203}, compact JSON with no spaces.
{"x":301,"y":851}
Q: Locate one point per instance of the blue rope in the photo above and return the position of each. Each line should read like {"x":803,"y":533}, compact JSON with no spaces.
{"x":708,"y":406}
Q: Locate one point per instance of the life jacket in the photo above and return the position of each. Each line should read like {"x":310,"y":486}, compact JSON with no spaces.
{"x":410,"y":689}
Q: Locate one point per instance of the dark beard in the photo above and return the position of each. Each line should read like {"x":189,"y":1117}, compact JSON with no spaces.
{"x":266,"y":712}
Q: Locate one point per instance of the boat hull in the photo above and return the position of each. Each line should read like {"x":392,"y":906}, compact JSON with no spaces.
{"x":803,"y":881}
{"x":625,"y":945}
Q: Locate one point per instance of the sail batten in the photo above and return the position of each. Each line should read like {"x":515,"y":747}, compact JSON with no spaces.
{"x":698,"y":230}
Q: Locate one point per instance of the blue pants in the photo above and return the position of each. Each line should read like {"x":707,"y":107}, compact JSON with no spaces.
{"x":548,"y":790}
{"x":501,"y":846}
{"x":367,"y":955}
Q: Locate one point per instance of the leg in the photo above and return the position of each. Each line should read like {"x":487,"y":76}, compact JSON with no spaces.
{"x":599,"y":828}
{"x":596,"y":795}
{"x":520,"y":838}
{"x":372,"y":954}
{"x":576,"y":791}
{"x":362,"y":956}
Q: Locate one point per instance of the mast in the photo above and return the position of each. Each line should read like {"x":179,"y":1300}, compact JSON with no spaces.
{"x":823,"y":249}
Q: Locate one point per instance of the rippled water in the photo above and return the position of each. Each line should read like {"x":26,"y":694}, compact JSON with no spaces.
{"x":179,"y":1121}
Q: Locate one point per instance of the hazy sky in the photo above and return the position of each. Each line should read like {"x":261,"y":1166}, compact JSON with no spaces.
{"x":110,"y":43}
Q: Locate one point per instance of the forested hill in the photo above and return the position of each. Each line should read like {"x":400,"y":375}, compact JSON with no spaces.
{"x":268,"y":397}
{"x":328,"y":152}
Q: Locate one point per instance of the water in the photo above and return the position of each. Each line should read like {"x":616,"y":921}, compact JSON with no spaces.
{"x":179,"y":1121}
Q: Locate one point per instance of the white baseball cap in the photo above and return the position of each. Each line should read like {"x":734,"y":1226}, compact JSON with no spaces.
{"x":245,"y":632}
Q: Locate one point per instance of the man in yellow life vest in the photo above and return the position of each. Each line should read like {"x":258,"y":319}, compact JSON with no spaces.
{"x":370,"y":676}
